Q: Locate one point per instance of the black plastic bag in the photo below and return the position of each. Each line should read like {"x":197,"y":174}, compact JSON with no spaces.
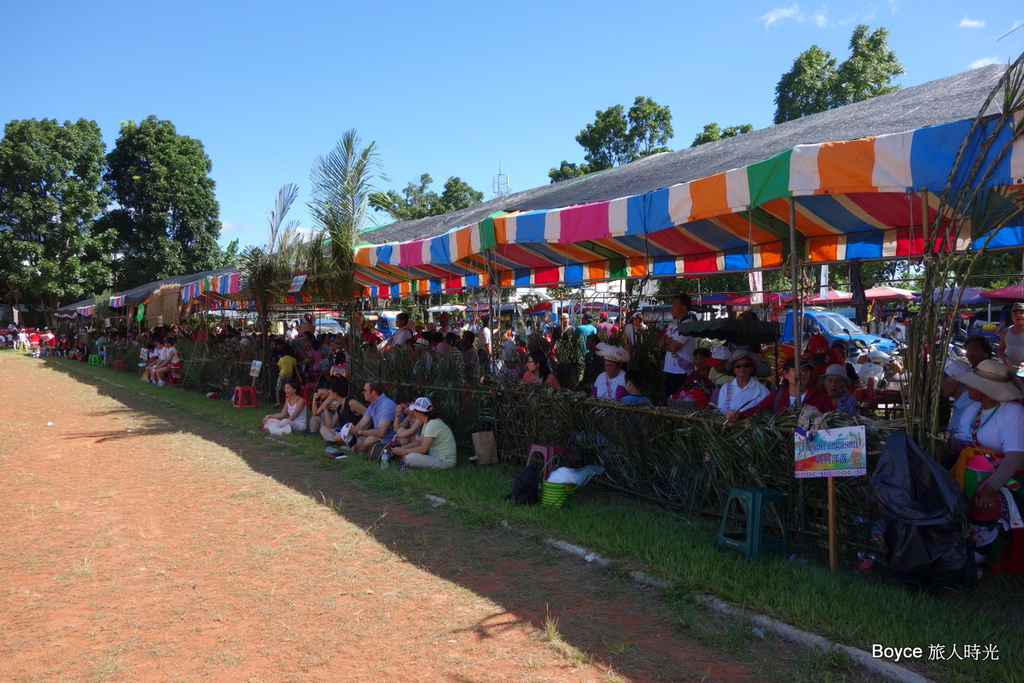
{"x":924,"y":516}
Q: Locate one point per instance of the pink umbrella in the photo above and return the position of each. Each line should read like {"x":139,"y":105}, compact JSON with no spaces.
{"x":888,"y":293}
{"x":830,"y":296}
{"x":768,"y":297}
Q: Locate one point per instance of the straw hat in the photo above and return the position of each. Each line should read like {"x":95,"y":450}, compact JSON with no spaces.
{"x":760,"y":370}
{"x":613,"y":353}
{"x":993,"y":379}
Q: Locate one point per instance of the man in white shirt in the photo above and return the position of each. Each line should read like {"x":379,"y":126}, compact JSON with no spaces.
{"x":678,"y":348}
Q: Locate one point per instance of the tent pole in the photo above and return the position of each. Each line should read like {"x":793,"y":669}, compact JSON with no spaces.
{"x":798,"y":334}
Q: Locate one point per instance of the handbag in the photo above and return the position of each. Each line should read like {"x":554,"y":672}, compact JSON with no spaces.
{"x":974,"y":467}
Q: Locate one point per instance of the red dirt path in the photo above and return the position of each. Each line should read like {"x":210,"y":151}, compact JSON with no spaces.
{"x":137,"y":548}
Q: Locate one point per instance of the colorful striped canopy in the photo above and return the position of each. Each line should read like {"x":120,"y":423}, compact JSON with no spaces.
{"x":865,"y":198}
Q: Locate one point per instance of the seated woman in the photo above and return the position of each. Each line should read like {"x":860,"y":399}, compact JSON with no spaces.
{"x":435,"y":449}
{"x":538,"y":372}
{"x":700,"y":378}
{"x":611,"y":383}
{"x":407,"y":427}
{"x":837,"y":396}
{"x":744,"y":391}
{"x":989,"y":467}
{"x":293,"y":412}
{"x":785,"y":397}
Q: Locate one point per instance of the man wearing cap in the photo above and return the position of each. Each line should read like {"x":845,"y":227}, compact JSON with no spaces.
{"x":678,"y":348}
{"x":611,"y":383}
{"x":819,"y":353}
{"x":378,"y":422}
{"x":604,"y":328}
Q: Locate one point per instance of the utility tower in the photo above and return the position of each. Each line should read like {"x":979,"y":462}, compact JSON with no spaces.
{"x":499,"y":183}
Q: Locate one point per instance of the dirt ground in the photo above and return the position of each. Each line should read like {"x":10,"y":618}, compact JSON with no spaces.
{"x":138,"y":548}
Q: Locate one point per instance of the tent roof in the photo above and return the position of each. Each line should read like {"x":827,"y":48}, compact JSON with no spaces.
{"x":717,"y":207}
{"x":941,"y":101}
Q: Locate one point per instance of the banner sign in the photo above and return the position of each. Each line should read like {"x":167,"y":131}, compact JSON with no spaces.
{"x":257,"y":365}
{"x":840,"y":452}
{"x":297,"y":283}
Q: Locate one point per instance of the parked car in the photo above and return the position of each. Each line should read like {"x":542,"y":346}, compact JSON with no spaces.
{"x":835,"y":326}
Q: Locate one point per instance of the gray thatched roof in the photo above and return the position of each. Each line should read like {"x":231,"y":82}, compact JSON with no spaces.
{"x":942,"y":101}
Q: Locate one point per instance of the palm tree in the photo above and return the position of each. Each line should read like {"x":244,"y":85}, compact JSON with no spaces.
{"x":343,"y":182}
{"x":266,"y":270}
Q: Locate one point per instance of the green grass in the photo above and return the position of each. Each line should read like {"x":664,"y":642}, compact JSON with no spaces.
{"x":845,"y":606}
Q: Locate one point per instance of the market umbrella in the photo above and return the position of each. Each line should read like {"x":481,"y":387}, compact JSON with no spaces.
{"x":830,"y":296}
{"x":947,"y":297}
{"x":1011,"y":293}
{"x":883,"y":293}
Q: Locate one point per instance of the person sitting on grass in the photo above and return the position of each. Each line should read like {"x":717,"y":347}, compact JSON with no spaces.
{"x":407,"y":427}
{"x":293,"y":412}
{"x":339,"y":410}
{"x":435,"y":449}
{"x":378,"y":422}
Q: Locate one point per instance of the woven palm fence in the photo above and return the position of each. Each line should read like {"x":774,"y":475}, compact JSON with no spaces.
{"x":686,"y":460}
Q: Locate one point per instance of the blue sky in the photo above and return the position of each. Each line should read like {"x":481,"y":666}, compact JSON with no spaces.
{"x":448,"y":88}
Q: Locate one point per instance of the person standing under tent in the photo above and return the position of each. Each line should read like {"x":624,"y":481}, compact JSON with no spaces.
{"x":678,"y":348}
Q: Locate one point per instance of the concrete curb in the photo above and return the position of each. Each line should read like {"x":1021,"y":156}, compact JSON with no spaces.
{"x":879,"y":667}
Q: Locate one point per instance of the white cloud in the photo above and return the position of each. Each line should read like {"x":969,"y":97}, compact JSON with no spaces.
{"x":226,"y":226}
{"x":985,"y":61}
{"x":971,"y":23}
{"x":781,"y":13}
{"x":820,"y":20}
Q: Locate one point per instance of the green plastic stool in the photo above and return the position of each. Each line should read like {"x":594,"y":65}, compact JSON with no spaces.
{"x":752,"y":541}
{"x":94,"y":359}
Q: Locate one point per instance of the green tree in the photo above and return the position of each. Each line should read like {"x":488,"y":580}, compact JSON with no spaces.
{"x":166,"y":214}
{"x":418,"y":200}
{"x":816,"y":84}
{"x":51,"y":191}
{"x":618,"y":136}
{"x":869,"y":69}
{"x":805,"y":89}
{"x":712,"y":132}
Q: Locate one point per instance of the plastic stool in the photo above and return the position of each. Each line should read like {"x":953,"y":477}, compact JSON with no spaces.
{"x":119,"y":366}
{"x":752,"y":541}
{"x":549,"y":456}
{"x":176,"y":378}
{"x":245,"y":397}
{"x":94,"y":359}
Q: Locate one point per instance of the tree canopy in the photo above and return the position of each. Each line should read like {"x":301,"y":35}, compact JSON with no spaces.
{"x":618,"y":136}
{"x":166,"y":215}
{"x":418,"y":200}
{"x":51,"y":191}
{"x":712,"y":133}
{"x":815,"y":84}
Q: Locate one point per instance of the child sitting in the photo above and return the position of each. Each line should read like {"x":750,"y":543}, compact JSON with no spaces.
{"x":634,"y":395}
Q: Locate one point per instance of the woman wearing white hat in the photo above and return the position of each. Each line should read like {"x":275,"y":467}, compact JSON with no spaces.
{"x":435,"y":449}
{"x":836,"y":385}
{"x":744,"y":390}
{"x":611,"y":383}
{"x":993,"y":438}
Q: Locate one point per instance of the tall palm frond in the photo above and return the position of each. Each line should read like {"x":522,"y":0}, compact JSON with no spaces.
{"x":343,"y":182}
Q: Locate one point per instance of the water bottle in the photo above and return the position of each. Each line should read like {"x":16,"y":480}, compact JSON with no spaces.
{"x":385,"y":456}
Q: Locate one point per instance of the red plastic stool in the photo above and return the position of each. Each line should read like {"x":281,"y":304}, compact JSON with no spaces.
{"x":119,"y":366}
{"x":550,"y":457}
{"x":176,"y":378}
{"x":245,"y":397}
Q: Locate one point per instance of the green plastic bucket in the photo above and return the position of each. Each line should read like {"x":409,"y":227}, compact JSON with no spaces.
{"x":553,"y":495}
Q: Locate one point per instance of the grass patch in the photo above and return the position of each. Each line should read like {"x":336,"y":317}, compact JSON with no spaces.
{"x":846,"y":606}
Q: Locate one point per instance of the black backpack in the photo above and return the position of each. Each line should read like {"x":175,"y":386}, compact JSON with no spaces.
{"x":524,"y":490}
